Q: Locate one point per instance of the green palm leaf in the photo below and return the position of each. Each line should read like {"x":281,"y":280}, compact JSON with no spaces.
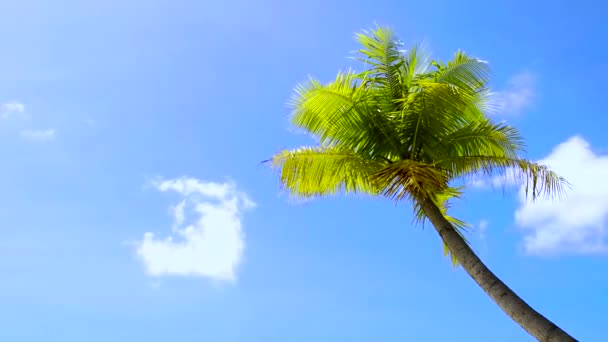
{"x":314,"y":171}
{"x":468,"y":73}
{"x":343,"y":113}
{"x":382,"y":51}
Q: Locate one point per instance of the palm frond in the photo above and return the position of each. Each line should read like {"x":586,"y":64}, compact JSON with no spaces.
{"x":536,"y":179}
{"x":344,"y":113}
{"x":465,"y":72}
{"x":481,"y":137}
{"x":416,"y":62}
{"x":315,"y":171}
{"x":432,"y":113}
{"x":463,"y":105}
{"x":382,"y":52}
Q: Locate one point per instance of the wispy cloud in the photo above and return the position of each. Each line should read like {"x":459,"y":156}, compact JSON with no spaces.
{"x":482,"y":226}
{"x":210,"y":245}
{"x":17,"y":109}
{"x":38,"y":136}
{"x":517,"y":96}
{"x":481,"y":229}
{"x":505,"y":179}
{"x":10,"y":109}
{"x":577,"y":223}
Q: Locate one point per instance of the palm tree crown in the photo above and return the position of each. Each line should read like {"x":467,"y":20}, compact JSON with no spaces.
{"x":406,"y":127}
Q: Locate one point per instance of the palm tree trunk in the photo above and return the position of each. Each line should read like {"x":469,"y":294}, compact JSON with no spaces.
{"x":528,"y":318}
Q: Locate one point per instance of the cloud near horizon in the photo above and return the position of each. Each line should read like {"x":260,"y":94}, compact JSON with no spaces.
{"x":209,"y":245}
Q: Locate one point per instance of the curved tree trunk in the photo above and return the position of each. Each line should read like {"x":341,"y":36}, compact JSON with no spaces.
{"x":528,"y":318}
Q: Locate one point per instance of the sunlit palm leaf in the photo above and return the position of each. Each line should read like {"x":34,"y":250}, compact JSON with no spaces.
{"x":344,"y":113}
{"x":313,"y":171}
{"x":537,"y":179}
{"x":481,"y":137}
{"x":382,"y":51}
{"x":467,"y":73}
{"x":416,"y":62}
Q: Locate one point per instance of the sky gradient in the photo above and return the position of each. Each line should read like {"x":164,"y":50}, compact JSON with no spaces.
{"x":134,"y":206}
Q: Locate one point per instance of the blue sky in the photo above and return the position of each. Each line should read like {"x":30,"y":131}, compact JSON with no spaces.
{"x":134,"y":207}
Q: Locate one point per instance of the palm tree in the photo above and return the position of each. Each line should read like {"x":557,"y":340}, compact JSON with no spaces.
{"x":410,"y":128}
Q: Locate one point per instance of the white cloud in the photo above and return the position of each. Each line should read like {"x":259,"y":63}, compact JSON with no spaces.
{"x":39,"y":136}
{"x":517,"y":96}
{"x":179,"y":213}
{"x":575,"y":224}
{"x":209,"y":246}
{"x":11,"y":109}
